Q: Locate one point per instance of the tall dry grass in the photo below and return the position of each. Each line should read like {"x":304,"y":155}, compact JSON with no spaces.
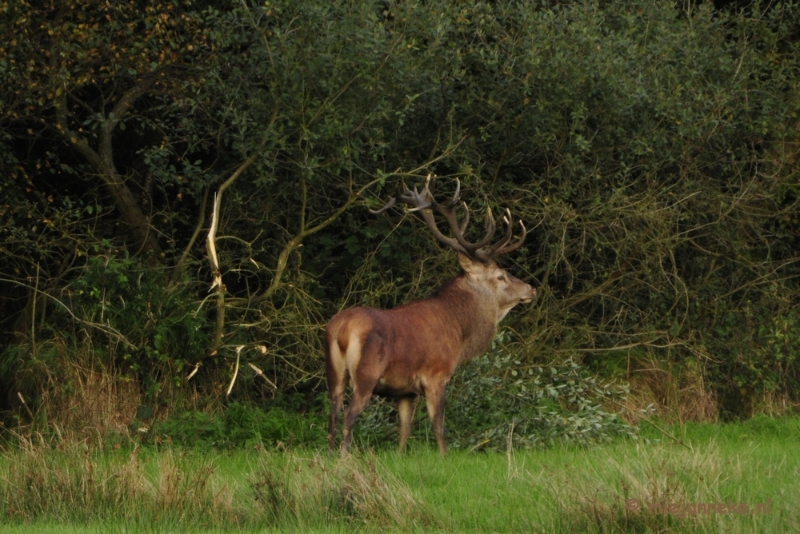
{"x":355,"y":491}
{"x":75,"y":483}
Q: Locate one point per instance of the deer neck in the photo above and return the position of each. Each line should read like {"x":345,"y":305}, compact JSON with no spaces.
{"x":474,"y":311}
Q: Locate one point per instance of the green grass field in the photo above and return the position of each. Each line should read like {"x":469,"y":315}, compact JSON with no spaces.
{"x":714,"y":481}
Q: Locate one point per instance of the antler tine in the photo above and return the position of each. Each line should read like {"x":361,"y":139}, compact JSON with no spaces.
{"x":420,"y":201}
{"x":492,"y":250}
{"x":456,"y":195}
{"x":500,"y":247}
{"x":392,"y":202}
{"x":475,"y":248}
{"x":516,"y":245}
{"x":464,"y":224}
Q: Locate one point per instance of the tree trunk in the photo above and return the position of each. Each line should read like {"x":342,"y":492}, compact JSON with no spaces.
{"x":143,"y":238}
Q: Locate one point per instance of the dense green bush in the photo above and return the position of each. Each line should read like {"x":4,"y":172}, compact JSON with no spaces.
{"x":499,"y":401}
{"x":158,"y":325}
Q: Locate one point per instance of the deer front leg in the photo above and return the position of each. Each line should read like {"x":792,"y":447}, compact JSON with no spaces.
{"x":434,"y":397}
{"x":405,"y":410}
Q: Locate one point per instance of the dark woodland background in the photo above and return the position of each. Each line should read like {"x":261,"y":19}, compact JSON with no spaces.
{"x":650,"y":147}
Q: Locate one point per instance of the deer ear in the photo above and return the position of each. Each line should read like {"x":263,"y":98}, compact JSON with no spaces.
{"x":468,"y":264}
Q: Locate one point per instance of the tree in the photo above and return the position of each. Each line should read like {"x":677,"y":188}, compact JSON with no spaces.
{"x":80,"y":71}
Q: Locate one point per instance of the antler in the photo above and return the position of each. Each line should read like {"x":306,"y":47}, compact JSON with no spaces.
{"x":426,"y":204}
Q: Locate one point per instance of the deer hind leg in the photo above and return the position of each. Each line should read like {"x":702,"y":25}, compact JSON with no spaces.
{"x":434,"y":397}
{"x":336,"y":395}
{"x":337,"y":376}
{"x":354,"y":409}
{"x":365,"y":369}
{"x":405,"y":410}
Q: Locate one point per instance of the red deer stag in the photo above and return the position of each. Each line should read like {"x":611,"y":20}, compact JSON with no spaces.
{"x":414,"y":349}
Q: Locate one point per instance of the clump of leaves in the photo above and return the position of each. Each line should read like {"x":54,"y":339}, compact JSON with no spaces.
{"x":499,"y":401}
{"x":159,"y":324}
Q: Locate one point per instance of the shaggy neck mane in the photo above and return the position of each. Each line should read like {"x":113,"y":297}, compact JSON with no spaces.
{"x":447,"y":285}
{"x":477,"y":322}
